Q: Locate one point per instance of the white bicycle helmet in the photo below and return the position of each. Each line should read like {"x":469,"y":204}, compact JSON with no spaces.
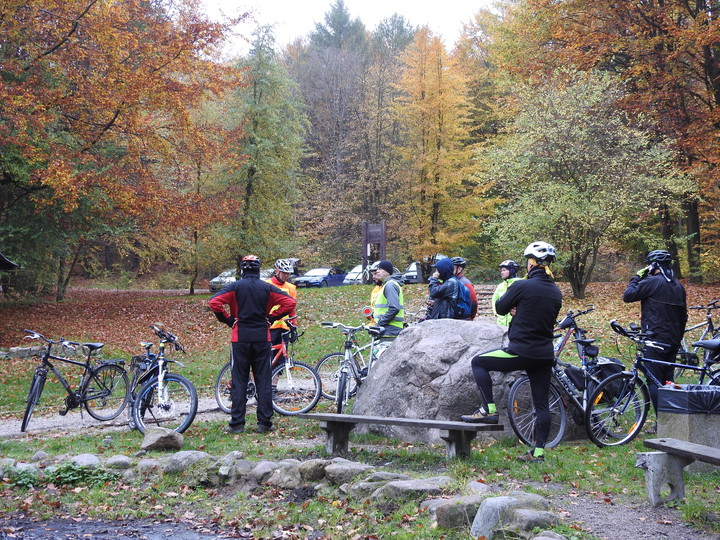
{"x":542,"y":252}
{"x":284,"y":265}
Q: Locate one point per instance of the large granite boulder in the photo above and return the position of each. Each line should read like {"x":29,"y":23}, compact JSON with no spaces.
{"x":426,"y":373}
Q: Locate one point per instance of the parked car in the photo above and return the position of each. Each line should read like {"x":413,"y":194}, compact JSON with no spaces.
{"x":413,"y":273}
{"x":321,"y":277}
{"x":222,"y":279}
{"x":354,"y":276}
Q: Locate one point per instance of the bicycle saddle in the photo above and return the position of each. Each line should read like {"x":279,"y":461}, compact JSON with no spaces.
{"x":93,"y":346}
{"x":710,"y":344}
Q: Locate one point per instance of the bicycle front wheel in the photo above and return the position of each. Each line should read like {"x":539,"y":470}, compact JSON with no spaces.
{"x":617,"y":410}
{"x":33,"y":397}
{"x":298,"y":388}
{"x":521,"y":413}
{"x":107,"y":392}
{"x":173,"y":406}
{"x":341,"y":395}
{"x":328,"y":369}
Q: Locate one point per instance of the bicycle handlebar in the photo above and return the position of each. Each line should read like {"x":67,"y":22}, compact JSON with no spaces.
{"x":72,"y":345}
{"x":710,"y":305}
{"x":637,"y":336}
{"x":164,"y":335}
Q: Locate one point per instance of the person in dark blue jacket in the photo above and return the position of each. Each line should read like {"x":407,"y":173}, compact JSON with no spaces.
{"x":442,"y":290}
{"x":534,"y":303}
{"x":663,"y":313}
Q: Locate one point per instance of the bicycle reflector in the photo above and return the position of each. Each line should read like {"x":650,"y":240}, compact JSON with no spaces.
{"x":367,"y":311}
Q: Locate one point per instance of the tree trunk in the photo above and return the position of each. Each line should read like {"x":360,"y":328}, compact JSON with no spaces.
{"x":64,"y":278}
{"x":693,"y":240}
{"x":667,"y":228}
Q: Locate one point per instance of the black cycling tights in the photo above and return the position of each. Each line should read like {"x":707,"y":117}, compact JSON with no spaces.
{"x":539,"y":373}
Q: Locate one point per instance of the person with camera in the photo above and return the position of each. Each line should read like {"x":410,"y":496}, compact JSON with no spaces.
{"x":663,"y":313}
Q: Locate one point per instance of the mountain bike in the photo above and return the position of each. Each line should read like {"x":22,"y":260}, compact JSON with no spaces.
{"x":102,"y":389}
{"x":570,"y":385}
{"x":296,"y":386}
{"x":344,"y":369}
{"x":164,"y":399}
{"x":688,"y":354}
{"x":619,"y":406}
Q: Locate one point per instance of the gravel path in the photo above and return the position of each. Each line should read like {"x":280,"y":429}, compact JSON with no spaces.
{"x":604,"y":519}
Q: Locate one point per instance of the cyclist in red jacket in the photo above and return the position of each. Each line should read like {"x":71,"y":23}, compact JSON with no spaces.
{"x":250,"y":301}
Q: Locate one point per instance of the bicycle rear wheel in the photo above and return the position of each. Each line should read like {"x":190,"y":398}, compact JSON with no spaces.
{"x":33,"y":397}
{"x":174,"y":407}
{"x":328,"y":369}
{"x":298,"y":388}
{"x":521,"y":413}
{"x":617,"y":410}
{"x":223,"y":384}
{"x":107,"y":392}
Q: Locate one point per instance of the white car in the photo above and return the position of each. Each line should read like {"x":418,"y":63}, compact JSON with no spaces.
{"x":222,"y":279}
{"x":354,"y":276}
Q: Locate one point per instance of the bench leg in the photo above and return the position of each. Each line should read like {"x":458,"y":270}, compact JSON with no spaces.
{"x":338,"y":436}
{"x":663,"y":471}
{"x":457,"y":443}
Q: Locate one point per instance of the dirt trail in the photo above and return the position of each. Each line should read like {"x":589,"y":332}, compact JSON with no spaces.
{"x":635,"y":520}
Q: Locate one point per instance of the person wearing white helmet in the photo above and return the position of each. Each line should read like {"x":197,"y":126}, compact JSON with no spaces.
{"x":535,"y":303}
{"x":280,"y":278}
{"x":508,"y":273}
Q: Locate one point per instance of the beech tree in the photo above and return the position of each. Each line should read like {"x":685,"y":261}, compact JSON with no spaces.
{"x":93,"y":99}
{"x":574,"y":171}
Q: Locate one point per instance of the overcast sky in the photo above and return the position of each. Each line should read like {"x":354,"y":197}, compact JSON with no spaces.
{"x":297,"y":18}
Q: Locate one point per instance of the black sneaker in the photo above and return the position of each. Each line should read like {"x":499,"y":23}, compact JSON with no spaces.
{"x":230,"y":429}
{"x":264,"y":428}
{"x":480,"y":417}
{"x":530,"y":458}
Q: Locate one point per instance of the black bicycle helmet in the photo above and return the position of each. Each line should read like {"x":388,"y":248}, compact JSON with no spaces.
{"x":459,"y":261}
{"x":250,"y":262}
{"x":661,"y":256}
{"x":509,"y":263}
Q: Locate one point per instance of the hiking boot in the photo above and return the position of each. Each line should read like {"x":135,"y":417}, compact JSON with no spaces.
{"x":229,"y":429}
{"x":480,"y":417}
{"x":530,"y":458}
{"x":264,"y":428}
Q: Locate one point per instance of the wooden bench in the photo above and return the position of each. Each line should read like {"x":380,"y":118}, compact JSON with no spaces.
{"x":664,"y":469}
{"x":457,"y":435}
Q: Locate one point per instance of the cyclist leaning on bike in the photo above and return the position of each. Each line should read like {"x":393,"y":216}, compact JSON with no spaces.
{"x":251,"y":303}
{"x":536,"y":303}
{"x":663,"y":312}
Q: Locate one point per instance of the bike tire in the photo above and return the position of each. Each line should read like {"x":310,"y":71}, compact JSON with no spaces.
{"x":521,"y":413}
{"x":341,"y":394}
{"x":33,"y":398}
{"x":298,"y":388}
{"x":617,"y":410}
{"x":175,"y":410}
{"x":107,"y":393}
{"x":328,"y":369}
{"x":222,"y":388}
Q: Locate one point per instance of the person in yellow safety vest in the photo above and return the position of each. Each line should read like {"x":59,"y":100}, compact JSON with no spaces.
{"x":281,"y":274}
{"x":388,"y":308}
{"x":508,"y":272}
{"x":376,"y":289}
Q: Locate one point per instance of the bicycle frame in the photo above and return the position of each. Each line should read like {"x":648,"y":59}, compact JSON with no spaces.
{"x":689,"y":355}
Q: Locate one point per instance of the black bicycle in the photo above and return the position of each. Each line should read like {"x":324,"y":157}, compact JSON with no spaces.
{"x":103,"y":388}
{"x":619,"y":406}
{"x":570,"y":385}
{"x":164,"y":399}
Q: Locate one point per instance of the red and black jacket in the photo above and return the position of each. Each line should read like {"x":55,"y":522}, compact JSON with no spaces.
{"x":250,"y":300}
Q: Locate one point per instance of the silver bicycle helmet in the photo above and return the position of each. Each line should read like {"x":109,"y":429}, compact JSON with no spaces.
{"x":284,"y":265}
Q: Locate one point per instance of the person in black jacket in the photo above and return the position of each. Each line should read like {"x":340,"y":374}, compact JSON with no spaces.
{"x":534,"y":303}
{"x":442,"y":290}
{"x":663,"y":313}
{"x":251,"y":303}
